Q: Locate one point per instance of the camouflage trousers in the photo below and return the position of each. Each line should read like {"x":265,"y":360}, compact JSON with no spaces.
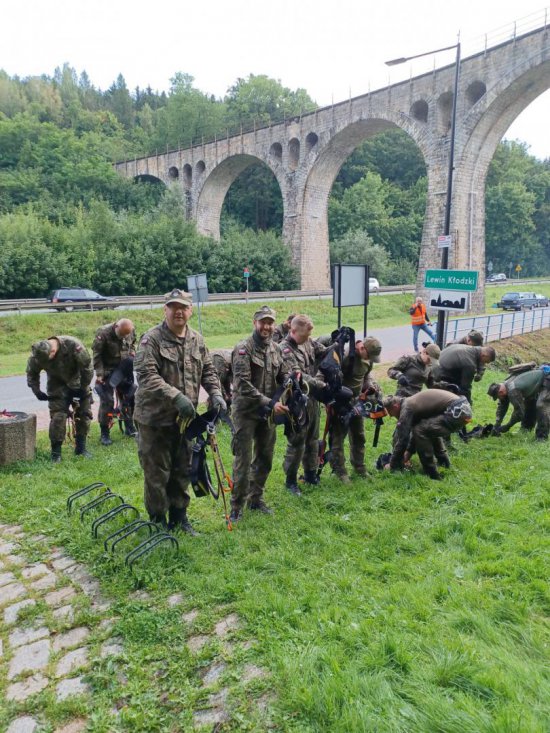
{"x":303,"y":447}
{"x":542,"y":409}
{"x":59,"y":413}
{"x":252,"y":444}
{"x":165,"y":458}
{"x":429,"y":435}
{"x":356,"y":433}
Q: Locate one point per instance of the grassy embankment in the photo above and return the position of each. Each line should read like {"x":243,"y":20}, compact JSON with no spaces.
{"x":393,"y":604}
{"x":223,"y":325}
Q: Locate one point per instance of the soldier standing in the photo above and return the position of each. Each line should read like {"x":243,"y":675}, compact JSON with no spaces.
{"x":425,"y":421}
{"x":301,"y":353}
{"x":171,"y":363}
{"x":529,"y":395}
{"x":258,"y":369}
{"x":413,"y":372}
{"x":357,"y":377}
{"x":112,"y":344}
{"x":68,"y":366}
{"x":461,"y":365}
{"x":282,"y":330}
{"x":221,"y":358}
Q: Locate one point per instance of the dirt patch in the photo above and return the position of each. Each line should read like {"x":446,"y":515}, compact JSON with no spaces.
{"x":527,"y":347}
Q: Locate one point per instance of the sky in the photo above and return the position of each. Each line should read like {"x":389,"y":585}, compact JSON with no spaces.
{"x":331,"y":49}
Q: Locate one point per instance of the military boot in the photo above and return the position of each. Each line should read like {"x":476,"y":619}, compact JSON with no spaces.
{"x":311,"y":477}
{"x":292,"y":484}
{"x":236,"y":514}
{"x":56,"y":452}
{"x":361,"y":471}
{"x":342,"y":476}
{"x":80,"y":447}
{"x":159,"y":519}
{"x":259,"y":505}
{"x":177,"y":519}
{"x":130,"y":428}
{"x":443,"y":460}
{"x":105,"y":439}
{"x":433,"y":473}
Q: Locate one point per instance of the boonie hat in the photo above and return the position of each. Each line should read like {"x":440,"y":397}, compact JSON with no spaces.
{"x":41,"y":350}
{"x":373,"y":347}
{"x":265,"y":312}
{"x":433,"y":351}
{"x":178,"y":296}
{"x":493,"y":390}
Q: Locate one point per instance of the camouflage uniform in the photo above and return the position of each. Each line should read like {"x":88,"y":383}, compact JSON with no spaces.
{"x":280,"y":332}
{"x":529,"y":395}
{"x":108,"y":351}
{"x":415,"y":370}
{"x":69,"y":374}
{"x":304,"y":446}
{"x":357,"y":378}
{"x":461,"y":365}
{"x":258,"y":370}
{"x":221,"y":359}
{"x":167,"y":366}
{"x":425,"y":420}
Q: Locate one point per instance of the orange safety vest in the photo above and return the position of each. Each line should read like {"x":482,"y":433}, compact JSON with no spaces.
{"x":418,"y":316}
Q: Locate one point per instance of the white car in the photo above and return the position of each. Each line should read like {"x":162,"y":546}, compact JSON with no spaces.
{"x":374,"y":285}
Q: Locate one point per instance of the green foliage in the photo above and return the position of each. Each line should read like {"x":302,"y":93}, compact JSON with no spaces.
{"x":255,"y":201}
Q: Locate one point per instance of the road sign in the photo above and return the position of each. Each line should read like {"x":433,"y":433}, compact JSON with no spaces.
{"x":448,"y":300}
{"x":461,"y":280}
{"x":518,"y":268}
{"x":246,"y":272}
{"x":445,"y":240}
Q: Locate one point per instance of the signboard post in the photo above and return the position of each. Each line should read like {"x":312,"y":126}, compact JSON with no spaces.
{"x":246,"y":275}
{"x":197,"y":285}
{"x":518,"y":269}
{"x":351,"y":287}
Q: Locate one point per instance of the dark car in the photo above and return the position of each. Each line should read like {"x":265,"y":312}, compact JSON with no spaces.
{"x":498,"y":277}
{"x":542,"y":300}
{"x":518,"y":301}
{"x":79,"y":298}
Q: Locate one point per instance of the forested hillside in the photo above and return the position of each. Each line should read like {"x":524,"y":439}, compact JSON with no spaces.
{"x":66,"y":218}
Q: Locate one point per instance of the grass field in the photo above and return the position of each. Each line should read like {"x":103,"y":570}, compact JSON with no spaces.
{"x":223,"y":325}
{"x":394,"y":604}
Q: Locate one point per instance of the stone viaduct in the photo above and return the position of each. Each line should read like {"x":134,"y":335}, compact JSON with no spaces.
{"x":305,"y":154}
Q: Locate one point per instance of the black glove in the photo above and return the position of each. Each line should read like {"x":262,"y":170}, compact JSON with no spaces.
{"x":403,"y":381}
{"x":42,"y":396}
{"x":184,"y":406}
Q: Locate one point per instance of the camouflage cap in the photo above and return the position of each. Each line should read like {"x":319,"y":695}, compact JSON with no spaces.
{"x":178,"y":296}
{"x":41,"y":350}
{"x":433,"y":351}
{"x":493,"y":390}
{"x":476,"y":338}
{"x":373,"y":347}
{"x":265,"y":312}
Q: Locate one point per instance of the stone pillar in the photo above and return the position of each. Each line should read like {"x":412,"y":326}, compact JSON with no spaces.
{"x":17,"y":438}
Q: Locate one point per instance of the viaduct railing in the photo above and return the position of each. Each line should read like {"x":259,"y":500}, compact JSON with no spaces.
{"x":500,"y":325}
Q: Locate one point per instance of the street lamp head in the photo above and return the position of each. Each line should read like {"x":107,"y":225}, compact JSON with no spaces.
{"x":396,"y":62}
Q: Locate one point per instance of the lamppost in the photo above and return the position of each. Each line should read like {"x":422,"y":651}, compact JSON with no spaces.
{"x":441,"y":316}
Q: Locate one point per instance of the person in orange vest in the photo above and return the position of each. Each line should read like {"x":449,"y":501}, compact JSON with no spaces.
{"x":420,"y":321}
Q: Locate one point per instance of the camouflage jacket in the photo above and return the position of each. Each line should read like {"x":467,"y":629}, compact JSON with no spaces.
{"x":524,"y":387}
{"x":109,"y":350}
{"x":280,"y":332}
{"x":70,"y":369}
{"x":221,"y":358}
{"x":461,"y":364}
{"x":416,"y":372}
{"x":304,"y":357}
{"x":166,"y":365}
{"x":425,"y":404}
{"x":258,"y":369}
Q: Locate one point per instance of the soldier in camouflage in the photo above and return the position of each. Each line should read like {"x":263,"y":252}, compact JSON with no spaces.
{"x":112,"y":344}
{"x":357,"y":377}
{"x":258,"y":370}
{"x":425,"y":420}
{"x":69,"y":370}
{"x":413,"y":372}
{"x":303,"y":354}
{"x":282,"y":330}
{"x":221,"y":358}
{"x":171,"y":364}
{"x":462,"y":365}
{"x":529,"y":395}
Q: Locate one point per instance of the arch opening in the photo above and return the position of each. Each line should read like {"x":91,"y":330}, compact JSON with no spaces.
{"x":311,"y":141}
{"x":445,"y":112}
{"x":200,"y":167}
{"x":419,"y":110}
{"x":173,"y":173}
{"x":474,"y":92}
{"x":187,"y":176}
{"x":276,"y":151}
{"x":293,"y":153}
